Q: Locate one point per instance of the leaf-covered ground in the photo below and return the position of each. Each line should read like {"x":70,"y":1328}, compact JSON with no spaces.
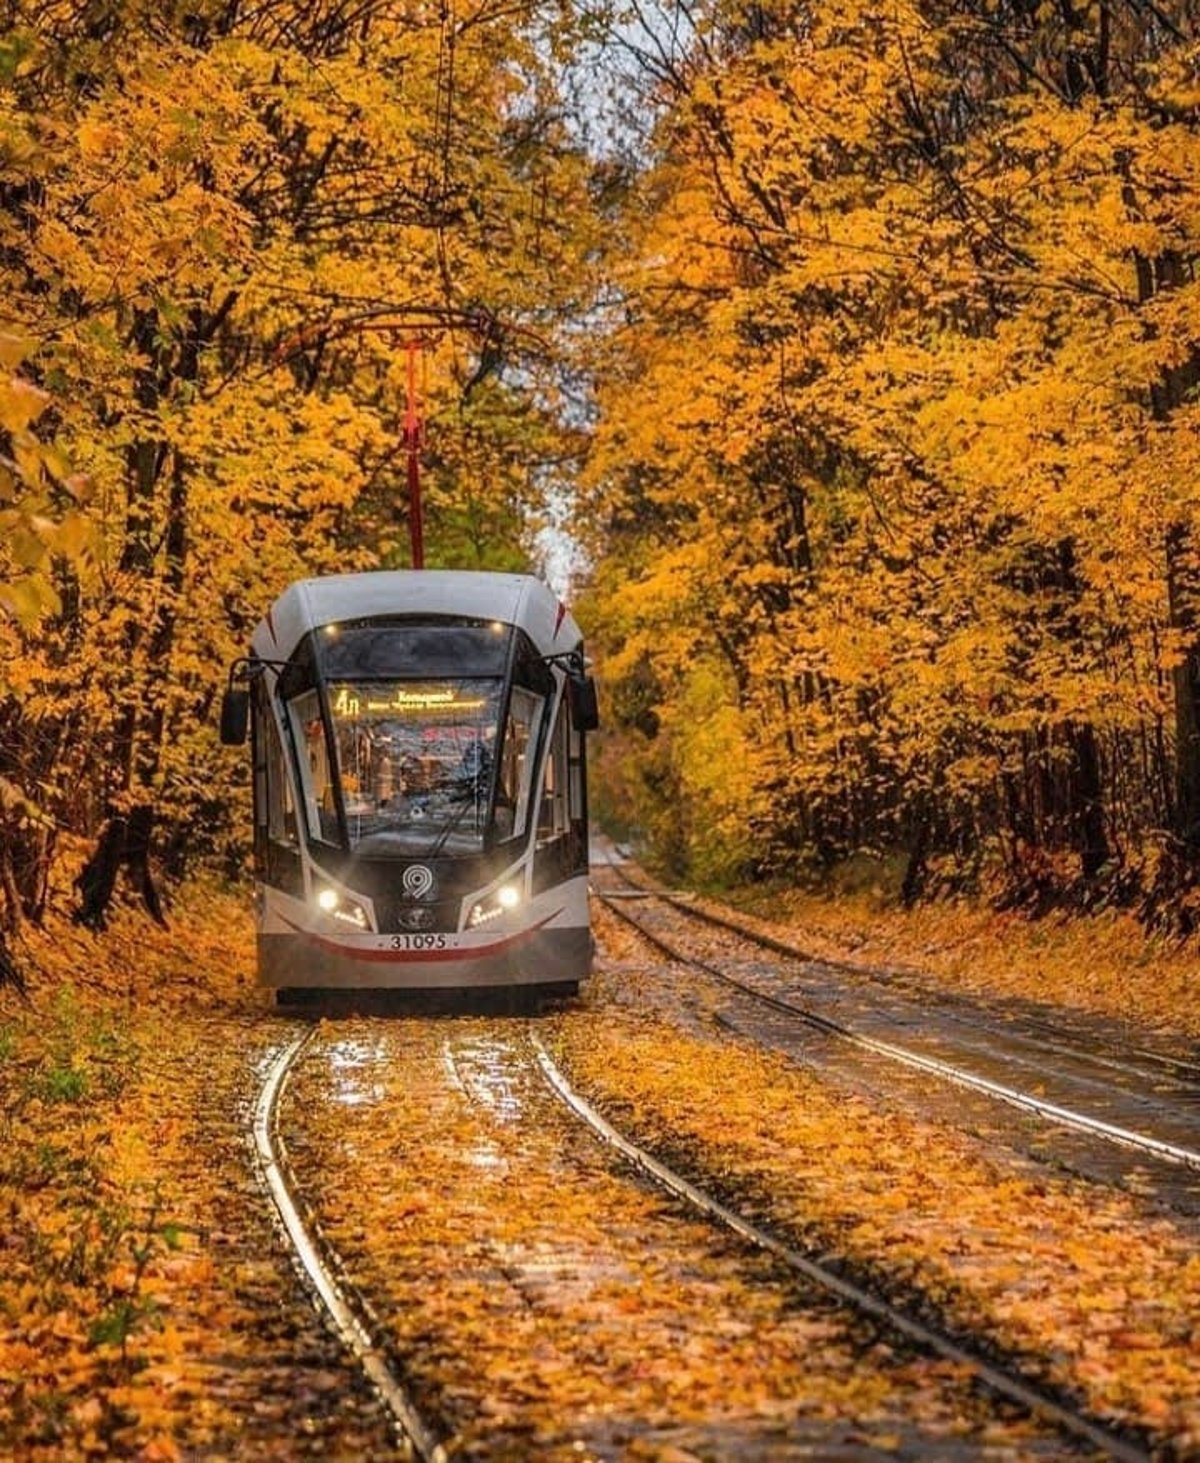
{"x":148,"y":1307}
{"x":1105,"y":963}
{"x":545,"y":1304}
{"x":1102,"y":1298}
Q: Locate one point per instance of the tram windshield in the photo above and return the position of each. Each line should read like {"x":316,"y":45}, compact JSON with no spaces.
{"x":421,"y":767}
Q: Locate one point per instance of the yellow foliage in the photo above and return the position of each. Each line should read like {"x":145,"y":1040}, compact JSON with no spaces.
{"x":918,"y":413}
{"x":220,"y":240}
{"x":1045,"y":1267}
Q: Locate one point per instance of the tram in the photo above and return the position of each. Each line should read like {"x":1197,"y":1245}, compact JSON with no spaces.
{"x":420,"y":791}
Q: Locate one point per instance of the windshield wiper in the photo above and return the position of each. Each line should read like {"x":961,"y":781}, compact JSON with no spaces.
{"x":453,"y":823}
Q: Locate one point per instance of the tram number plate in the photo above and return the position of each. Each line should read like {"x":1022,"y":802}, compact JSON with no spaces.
{"x":421,"y":942}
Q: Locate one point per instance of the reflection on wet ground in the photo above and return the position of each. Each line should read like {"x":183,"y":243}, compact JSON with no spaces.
{"x":546,"y":1305}
{"x":481,"y":1067}
{"x":351,"y":1060}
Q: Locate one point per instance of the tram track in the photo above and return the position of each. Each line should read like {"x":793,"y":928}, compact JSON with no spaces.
{"x":1136,"y":1062}
{"x":492,"y":1070}
{"x":1061,"y":1114}
{"x":348,"y":1313}
{"x":998,"y":1380}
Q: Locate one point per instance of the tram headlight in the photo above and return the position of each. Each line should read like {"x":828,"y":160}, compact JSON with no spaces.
{"x":498,"y":902}
{"x":340,"y":907}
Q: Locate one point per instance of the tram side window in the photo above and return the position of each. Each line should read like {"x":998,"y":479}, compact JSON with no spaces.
{"x":259,"y":749}
{"x":552,"y":819}
{"x":312,"y":753}
{"x":279,"y":809}
{"x":516,"y":768}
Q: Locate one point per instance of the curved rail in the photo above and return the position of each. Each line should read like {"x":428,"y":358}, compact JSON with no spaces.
{"x":343,"y":1310}
{"x":999,"y":1381}
{"x":1149,"y":1063}
{"x":1030,"y":1102}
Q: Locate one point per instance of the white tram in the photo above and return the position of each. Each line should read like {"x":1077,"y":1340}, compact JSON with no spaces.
{"x":420,"y":799}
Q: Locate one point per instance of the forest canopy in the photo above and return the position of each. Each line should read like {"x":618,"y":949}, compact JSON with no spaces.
{"x":860,"y":346}
{"x":224,"y":231}
{"x":897,"y":454}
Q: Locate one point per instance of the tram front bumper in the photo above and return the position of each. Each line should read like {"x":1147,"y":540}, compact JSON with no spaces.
{"x":537,"y":956}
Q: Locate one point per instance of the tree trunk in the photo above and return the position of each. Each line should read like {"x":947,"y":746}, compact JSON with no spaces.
{"x":138,"y":739}
{"x":1090,"y":835}
{"x":10,"y":975}
{"x":1182,"y":597}
{"x":124,"y":843}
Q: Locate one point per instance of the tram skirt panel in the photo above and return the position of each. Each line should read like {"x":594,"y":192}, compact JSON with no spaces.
{"x":529,"y":957}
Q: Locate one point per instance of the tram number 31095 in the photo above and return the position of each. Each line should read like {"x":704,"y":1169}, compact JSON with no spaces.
{"x":420,"y":942}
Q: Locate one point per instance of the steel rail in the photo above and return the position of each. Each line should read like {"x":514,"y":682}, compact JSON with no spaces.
{"x":995,"y":1378}
{"x":1151,"y":1063}
{"x":341,"y":1305}
{"x":1014,"y":1097}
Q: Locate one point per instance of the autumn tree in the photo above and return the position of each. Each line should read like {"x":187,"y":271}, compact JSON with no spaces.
{"x":221,"y":228}
{"x":42,"y":532}
{"x":909,"y":295}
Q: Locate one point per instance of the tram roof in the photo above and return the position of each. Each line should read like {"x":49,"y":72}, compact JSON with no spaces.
{"x":512,"y":599}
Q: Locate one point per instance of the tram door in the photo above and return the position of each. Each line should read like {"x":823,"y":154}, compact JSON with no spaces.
{"x":276,"y":841}
{"x":562,"y":818}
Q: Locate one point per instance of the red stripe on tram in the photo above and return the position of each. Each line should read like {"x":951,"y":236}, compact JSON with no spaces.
{"x":408,"y":957}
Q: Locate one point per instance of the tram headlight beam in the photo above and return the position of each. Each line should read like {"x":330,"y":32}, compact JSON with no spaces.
{"x":498,"y":902}
{"x":341,"y":907}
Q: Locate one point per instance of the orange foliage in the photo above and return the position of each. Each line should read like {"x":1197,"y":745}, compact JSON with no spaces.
{"x":217,"y":230}
{"x":1063,"y":1271}
{"x":147,"y":1308}
{"x":898,"y":447}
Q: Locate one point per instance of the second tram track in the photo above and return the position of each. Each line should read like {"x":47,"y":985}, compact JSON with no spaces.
{"x":1131,"y":1060}
{"x":962,"y":1077}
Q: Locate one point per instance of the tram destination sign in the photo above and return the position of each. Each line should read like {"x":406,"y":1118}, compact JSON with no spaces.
{"x":404,"y":701}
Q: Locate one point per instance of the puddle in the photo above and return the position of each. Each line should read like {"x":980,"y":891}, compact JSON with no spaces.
{"x":488,"y":1071}
{"x":352,"y":1062}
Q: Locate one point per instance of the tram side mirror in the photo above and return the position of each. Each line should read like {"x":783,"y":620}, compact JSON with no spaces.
{"x":235,"y":717}
{"x":585,"y":706}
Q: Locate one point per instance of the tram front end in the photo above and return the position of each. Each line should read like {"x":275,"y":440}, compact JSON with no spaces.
{"x":420,"y":793}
